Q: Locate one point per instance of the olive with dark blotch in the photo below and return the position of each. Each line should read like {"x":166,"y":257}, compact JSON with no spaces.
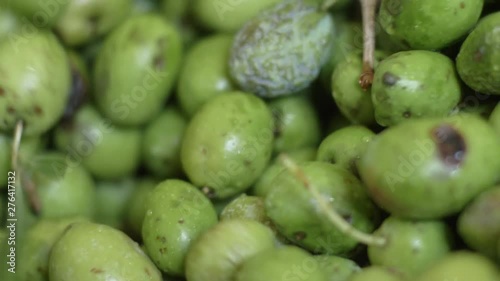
{"x":34,"y":82}
{"x":431,"y":168}
{"x":414,"y":84}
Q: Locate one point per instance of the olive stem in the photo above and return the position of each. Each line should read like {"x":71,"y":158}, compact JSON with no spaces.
{"x":368,"y":8}
{"x":334,"y":217}
{"x":16,"y":144}
{"x":29,"y":187}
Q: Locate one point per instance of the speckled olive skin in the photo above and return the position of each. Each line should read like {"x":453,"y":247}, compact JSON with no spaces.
{"x":345,"y":147}
{"x":428,"y":24}
{"x":218,"y":253}
{"x":91,"y":140}
{"x":294,"y":212}
{"x":284,"y":263}
{"x":416,"y":244}
{"x":94,"y":252}
{"x":353,"y":102}
{"x":84,"y":21}
{"x":162,"y":141}
{"x":205,"y":72}
{"x":34,"y":83}
{"x":34,"y":253}
{"x":479,"y":223}
{"x":462,"y":266}
{"x":228,"y":144}
{"x":478,"y":61}
{"x":281,"y":51}
{"x":431,"y":168}
{"x":375,"y":273}
{"x":414,"y":84}
{"x":135,"y":69}
{"x":63,"y":190}
{"x":296,"y":122}
{"x":177,"y":214}
{"x":337,"y":268}
{"x":228,"y":16}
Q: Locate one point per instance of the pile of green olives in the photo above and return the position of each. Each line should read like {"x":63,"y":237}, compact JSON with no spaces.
{"x":238,"y":140}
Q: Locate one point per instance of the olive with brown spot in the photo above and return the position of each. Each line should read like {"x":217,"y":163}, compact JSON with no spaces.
{"x":478,"y":61}
{"x":35,"y":82}
{"x":414,"y":84}
{"x":34,"y":253}
{"x":134,"y":75}
{"x":177,"y":213}
{"x":89,"y":251}
{"x":294,"y":211}
{"x":431,"y":168}
{"x":219,"y":140}
{"x":353,"y":101}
